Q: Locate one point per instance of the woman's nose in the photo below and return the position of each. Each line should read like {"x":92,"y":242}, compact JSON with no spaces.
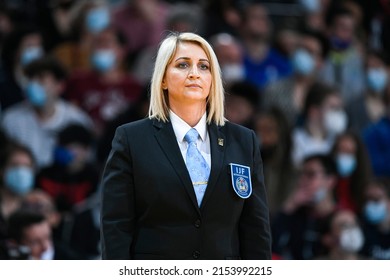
{"x":193,"y":72}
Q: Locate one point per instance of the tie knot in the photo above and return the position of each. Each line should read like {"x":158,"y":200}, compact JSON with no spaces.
{"x":191,"y":136}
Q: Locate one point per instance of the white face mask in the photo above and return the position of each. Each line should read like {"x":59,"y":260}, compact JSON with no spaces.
{"x":48,"y":254}
{"x":233,"y":72}
{"x":346,"y":164}
{"x":319,"y":195}
{"x":351,"y":239}
{"x":335,"y":121}
{"x":311,"y":6}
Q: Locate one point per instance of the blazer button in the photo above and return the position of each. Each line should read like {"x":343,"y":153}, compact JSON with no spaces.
{"x":197,"y":223}
{"x":196,"y":254}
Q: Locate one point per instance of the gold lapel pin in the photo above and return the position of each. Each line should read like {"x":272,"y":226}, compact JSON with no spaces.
{"x":220,"y":141}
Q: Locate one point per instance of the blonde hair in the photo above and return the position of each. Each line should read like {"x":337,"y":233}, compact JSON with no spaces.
{"x":159,"y":108}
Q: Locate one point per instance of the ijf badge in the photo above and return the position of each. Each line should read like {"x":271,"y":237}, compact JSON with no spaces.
{"x":241,"y":180}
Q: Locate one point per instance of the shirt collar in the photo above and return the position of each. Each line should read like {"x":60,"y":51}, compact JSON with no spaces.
{"x":180,"y":127}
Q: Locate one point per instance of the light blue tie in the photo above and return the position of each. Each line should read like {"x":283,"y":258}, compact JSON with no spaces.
{"x":196,"y":165}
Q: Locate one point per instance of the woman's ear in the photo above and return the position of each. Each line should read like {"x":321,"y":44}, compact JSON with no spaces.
{"x":164,"y":85}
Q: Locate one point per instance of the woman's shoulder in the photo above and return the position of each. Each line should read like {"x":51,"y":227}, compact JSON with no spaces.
{"x":234,"y":128}
{"x":138,"y":125}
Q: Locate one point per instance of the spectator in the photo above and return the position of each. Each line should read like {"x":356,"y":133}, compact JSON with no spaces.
{"x":36,"y":121}
{"x":222,"y":16}
{"x":354,"y":171}
{"x":323,"y":119}
{"x":17,"y":169}
{"x":344,"y":67}
{"x":32,"y":230}
{"x":87,"y":19}
{"x":274,"y":133}
{"x":37,"y":201}
{"x":21,"y":46}
{"x":29,"y":237}
{"x":182,"y":17}
{"x":135,"y":17}
{"x":296,"y":229}
{"x":40,"y":202}
{"x":241,"y":103}
{"x":369,"y":108}
{"x":106,"y":90}
{"x":230,"y":56}
{"x":314,"y":13}
{"x":290,"y":93}
{"x":263,"y":65}
{"x":72,"y":178}
{"x":376,"y":220}
{"x":342,"y":237}
{"x":377,"y":139}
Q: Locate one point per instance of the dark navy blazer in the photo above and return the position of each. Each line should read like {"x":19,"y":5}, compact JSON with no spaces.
{"x":149,"y":207}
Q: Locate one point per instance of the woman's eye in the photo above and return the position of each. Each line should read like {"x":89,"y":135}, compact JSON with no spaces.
{"x":204,"y":67}
{"x":183,"y":65}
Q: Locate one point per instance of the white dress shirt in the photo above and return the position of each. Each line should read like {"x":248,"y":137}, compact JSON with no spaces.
{"x":181,"y":128}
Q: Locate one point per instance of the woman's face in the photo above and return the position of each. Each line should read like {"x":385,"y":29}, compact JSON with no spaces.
{"x":188,"y":76}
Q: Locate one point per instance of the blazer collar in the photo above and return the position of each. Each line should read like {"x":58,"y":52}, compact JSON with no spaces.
{"x":217,"y":146}
{"x":166,"y":138}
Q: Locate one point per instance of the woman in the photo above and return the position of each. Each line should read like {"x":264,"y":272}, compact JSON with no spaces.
{"x":17,"y":175}
{"x":354,"y":170}
{"x":153,"y":207}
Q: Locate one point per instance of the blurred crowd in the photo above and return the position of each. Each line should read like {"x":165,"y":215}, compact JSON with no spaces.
{"x":310,"y":77}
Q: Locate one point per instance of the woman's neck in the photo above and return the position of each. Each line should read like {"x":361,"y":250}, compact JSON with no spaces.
{"x":191,"y":114}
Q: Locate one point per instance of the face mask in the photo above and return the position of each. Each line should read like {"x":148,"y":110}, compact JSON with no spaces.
{"x":376,"y":79}
{"x":233,"y":72}
{"x":48,"y":254}
{"x":335,"y":121}
{"x":311,"y":6}
{"x":97,"y":19}
{"x":103,"y":60}
{"x":30,"y":54}
{"x":19,"y":180}
{"x":303,"y":62}
{"x":351,"y":240}
{"x":36,"y":94}
{"x":338,"y":44}
{"x":63,"y":156}
{"x":346,"y":164}
{"x":375,"y":212}
{"x":319,"y":195}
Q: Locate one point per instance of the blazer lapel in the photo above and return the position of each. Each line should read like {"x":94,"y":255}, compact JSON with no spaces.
{"x":166,"y":138}
{"x":217,"y":146}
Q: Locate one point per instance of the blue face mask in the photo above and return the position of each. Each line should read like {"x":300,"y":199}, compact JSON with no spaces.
{"x":311,"y":6}
{"x":36,"y":94}
{"x":19,"y":180}
{"x":376,"y":79}
{"x":339,"y":44}
{"x":103,"y":60}
{"x":97,"y":19}
{"x":319,"y":195}
{"x":303,"y":63}
{"x":346,"y":164}
{"x":375,"y":212}
{"x":30,"y":54}
{"x":63,"y":156}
